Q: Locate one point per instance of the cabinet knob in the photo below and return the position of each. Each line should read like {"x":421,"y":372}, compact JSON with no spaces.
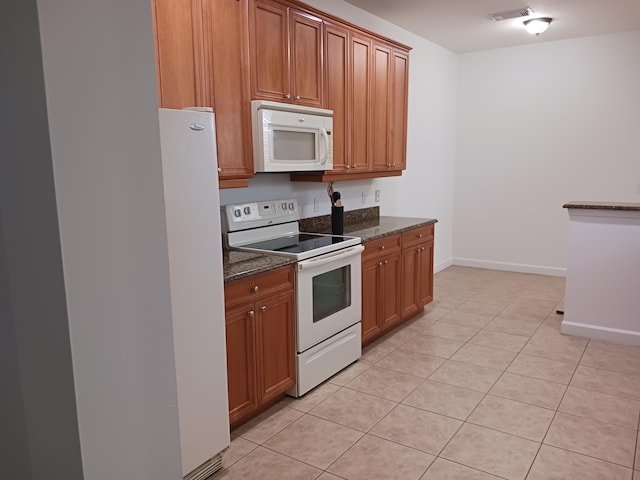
{"x":420,"y":236}
{"x":379,"y":264}
{"x":386,"y":261}
{"x":219,"y":169}
{"x":251,"y":313}
{"x":422,"y":249}
{"x":381,"y":247}
{"x":263,"y":308}
{"x":255,"y":289}
{"x":287,"y":95}
{"x":297,"y":97}
{"x":355,"y":166}
{"x":348,"y":166}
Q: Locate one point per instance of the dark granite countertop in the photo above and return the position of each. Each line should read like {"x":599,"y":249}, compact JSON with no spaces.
{"x":237,"y":265}
{"x":634,"y":207}
{"x":365,"y":223}
{"x":374,"y":229}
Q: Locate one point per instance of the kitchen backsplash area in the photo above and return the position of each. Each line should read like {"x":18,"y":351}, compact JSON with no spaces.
{"x":312,"y":197}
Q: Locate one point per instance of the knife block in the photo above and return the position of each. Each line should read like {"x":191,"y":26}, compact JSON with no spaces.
{"x":337,"y":220}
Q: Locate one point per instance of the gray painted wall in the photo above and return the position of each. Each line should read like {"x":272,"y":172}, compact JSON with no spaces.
{"x":38,"y":400}
{"x":85,"y":333}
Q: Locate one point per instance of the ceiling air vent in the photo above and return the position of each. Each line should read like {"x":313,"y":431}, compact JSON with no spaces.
{"x":509,"y":14}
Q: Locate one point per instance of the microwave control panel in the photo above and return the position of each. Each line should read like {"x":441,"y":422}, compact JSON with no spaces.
{"x":259,"y":214}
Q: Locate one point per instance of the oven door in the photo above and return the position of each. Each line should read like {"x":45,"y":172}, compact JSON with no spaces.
{"x":328,"y":294}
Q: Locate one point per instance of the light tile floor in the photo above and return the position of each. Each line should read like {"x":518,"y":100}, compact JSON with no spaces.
{"x":481,"y":386}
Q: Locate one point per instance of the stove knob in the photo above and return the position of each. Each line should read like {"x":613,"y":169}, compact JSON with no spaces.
{"x":291,"y":206}
{"x":237,"y":213}
{"x":247,"y":210}
{"x":284,"y":205}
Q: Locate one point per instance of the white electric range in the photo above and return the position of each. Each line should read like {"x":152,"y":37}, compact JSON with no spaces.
{"x":328,"y":284}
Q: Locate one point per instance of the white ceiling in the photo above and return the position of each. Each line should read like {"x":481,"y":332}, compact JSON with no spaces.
{"x":465,"y":25}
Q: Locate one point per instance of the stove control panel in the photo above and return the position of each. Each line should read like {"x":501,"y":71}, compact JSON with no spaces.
{"x":242,"y":216}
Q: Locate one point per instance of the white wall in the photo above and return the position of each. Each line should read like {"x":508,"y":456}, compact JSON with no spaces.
{"x":540,"y":125}
{"x":426,"y":187}
{"x":101,"y":98}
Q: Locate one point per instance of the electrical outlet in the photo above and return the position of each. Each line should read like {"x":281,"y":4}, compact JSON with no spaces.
{"x":377,"y":195}
{"x":316,"y":205}
{"x":364,"y":198}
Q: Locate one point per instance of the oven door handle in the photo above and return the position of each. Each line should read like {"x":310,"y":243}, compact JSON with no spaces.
{"x":329,"y":258}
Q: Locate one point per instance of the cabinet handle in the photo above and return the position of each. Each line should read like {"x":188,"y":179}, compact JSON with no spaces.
{"x":219,"y":169}
{"x":263,"y":308}
{"x":297,"y":97}
{"x":251,"y":313}
{"x":287,"y":95}
{"x":255,"y":289}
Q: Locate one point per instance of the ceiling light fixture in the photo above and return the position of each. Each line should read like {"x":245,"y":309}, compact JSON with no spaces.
{"x":536,"y":26}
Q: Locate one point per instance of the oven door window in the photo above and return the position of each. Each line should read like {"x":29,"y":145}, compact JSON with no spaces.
{"x":331,"y":292}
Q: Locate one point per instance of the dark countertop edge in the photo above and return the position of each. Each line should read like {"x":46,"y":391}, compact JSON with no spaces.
{"x":603,"y":206}
{"x":368,"y":231}
{"x":400,"y":225}
{"x":266,"y":262}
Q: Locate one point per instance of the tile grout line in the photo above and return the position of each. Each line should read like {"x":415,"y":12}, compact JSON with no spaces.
{"x":555,"y":414}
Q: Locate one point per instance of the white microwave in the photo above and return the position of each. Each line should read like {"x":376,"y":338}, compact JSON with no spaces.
{"x":291,"y":138}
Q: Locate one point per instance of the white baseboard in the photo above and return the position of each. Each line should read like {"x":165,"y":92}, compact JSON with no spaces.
{"x":607,"y":334}
{"x":510,"y":267}
{"x":442,"y":265}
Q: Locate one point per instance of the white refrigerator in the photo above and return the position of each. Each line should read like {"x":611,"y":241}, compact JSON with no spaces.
{"x":190,"y":174}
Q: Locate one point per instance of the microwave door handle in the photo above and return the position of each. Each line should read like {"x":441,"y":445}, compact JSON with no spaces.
{"x":328,"y":258}
{"x":323,"y":133}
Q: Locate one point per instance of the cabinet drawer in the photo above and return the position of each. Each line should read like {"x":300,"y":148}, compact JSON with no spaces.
{"x":417,"y":235}
{"x":381,"y":246}
{"x":258,"y":285}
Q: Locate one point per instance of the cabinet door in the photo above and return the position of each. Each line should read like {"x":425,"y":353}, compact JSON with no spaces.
{"x":411,"y":265}
{"x":391,"y":291}
{"x":371,"y":298}
{"x":229,"y":42}
{"x":275,"y":345}
{"x":360,"y":106}
{"x":269,"y":51}
{"x":241,"y":361}
{"x":306,"y":59}
{"x":425,"y":292}
{"x":382,"y":63}
{"x":182,"y":53}
{"x":336,"y":88}
{"x":399,"y":105}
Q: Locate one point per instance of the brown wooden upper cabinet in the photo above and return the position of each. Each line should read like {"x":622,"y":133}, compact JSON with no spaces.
{"x":366,"y":86}
{"x":224,"y":53}
{"x":286,"y":54}
{"x":202,"y":60}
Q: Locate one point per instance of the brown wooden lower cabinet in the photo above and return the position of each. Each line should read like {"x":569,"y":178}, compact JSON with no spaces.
{"x":381,"y":289}
{"x":397,"y":280}
{"x":260,"y":334}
